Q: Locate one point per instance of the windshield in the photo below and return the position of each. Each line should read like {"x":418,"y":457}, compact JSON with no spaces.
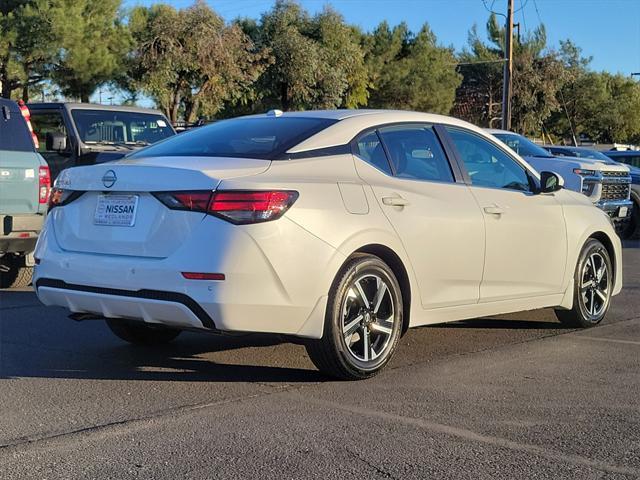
{"x":118,"y":127}
{"x":248,"y":137}
{"x":592,"y":154}
{"x":521,"y":145}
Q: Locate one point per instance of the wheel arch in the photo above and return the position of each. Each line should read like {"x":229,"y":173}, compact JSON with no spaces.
{"x":391,"y":258}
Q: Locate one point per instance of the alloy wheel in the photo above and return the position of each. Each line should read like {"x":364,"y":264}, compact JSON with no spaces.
{"x":595,"y":286}
{"x":368,"y":313}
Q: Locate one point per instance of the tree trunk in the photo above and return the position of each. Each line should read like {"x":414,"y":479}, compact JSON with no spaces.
{"x":25,"y":93}
{"x":284,"y":96}
{"x":84,"y":97}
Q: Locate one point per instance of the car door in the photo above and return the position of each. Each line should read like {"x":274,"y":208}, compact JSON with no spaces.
{"x":19,"y":164}
{"x":47,"y":122}
{"x":434,"y":214}
{"x":526,"y":239}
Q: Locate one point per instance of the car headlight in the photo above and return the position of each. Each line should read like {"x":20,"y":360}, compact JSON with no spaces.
{"x":584,"y":173}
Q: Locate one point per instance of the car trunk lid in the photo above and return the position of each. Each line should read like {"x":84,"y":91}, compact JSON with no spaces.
{"x":118,"y":213}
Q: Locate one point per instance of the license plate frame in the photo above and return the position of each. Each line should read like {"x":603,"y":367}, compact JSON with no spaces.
{"x":116,"y":210}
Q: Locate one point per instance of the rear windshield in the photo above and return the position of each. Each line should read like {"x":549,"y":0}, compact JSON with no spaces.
{"x":106,"y":127}
{"x":249,"y":137}
{"x":14,"y":133}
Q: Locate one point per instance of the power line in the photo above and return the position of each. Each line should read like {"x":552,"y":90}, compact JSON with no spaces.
{"x":489,"y":9}
{"x":535,"y":5}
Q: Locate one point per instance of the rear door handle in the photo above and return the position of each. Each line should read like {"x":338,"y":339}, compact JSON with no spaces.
{"x":494,"y":210}
{"x":395,"y":201}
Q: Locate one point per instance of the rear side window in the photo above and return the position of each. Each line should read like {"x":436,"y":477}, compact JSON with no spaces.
{"x":14,"y":133}
{"x":250,"y":137}
{"x":416,"y":153}
{"x":370,"y":149}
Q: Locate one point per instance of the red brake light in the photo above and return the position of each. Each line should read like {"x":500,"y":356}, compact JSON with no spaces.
{"x":203,"y":276}
{"x":44,"y":183}
{"x":239,"y":207}
{"x":242,"y":207}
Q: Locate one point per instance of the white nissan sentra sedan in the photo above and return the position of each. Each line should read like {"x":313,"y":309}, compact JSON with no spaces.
{"x":340,"y":229}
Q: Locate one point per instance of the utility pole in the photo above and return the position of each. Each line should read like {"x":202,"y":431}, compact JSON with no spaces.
{"x":508,"y":69}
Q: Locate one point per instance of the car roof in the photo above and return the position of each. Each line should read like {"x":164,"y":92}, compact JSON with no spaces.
{"x":498,"y":130}
{"x":91,"y":106}
{"x":350,"y":123}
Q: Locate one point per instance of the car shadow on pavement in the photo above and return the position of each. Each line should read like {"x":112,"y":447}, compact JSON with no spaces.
{"x":185,"y":360}
{"x":42,"y":342}
{"x":505,"y":324}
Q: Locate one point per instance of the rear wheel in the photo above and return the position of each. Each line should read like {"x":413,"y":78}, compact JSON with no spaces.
{"x":140,"y":333}
{"x":593,"y":283}
{"x":363,"y":322}
{"x":14,"y":273}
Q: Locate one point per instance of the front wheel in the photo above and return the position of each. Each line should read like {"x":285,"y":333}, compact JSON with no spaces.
{"x":363,"y":322}
{"x":140,"y":333}
{"x":593,"y":283}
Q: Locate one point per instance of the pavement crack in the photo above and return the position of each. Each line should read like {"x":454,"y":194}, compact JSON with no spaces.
{"x":470,"y":436}
{"x":378,"y":469}
{"x":133,"y":422}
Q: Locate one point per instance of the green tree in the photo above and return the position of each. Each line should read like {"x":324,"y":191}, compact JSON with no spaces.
{"x":93,"y":43}
{"x":597,"y":105}
{"x":28,"y":44}
{"x":410,"y":71}
{"x":317,"y":61}
{"x":189,"y":61}
{"x":538,"y":75}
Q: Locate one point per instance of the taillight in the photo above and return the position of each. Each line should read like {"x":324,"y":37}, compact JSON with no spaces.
{"x":192,"y":201}
{"x":238,"y":207}
{"x":60,"y":197}
{"x":44,"y":184}
{"x":251,"y":207}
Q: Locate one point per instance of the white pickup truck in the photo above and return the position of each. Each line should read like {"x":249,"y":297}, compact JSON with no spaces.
{"x":606,"y":183}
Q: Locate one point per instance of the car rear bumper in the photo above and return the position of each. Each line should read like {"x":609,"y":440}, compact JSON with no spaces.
{"x":18,"y":233}
{"x":263,"y":290}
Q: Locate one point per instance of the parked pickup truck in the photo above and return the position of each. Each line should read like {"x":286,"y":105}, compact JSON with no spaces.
{"x":25,"y":185}
{"x":73,"y":134}
{"x":605,"y":182}
{"x":632,"y":159}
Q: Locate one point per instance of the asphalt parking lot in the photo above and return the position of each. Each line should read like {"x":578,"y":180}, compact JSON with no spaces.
{"x":510,"y":397}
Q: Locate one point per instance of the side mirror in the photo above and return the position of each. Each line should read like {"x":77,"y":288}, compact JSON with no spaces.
{"x":550,"y":182}
{"x":56,"y":141}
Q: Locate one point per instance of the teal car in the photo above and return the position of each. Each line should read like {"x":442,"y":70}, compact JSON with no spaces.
{"x":25,"y":185}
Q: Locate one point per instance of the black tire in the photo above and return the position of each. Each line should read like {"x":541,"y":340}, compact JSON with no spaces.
{"x":592,"y":290}
{"x":348,"y":314}
{"x":632,"y":230}
{"x":17,"y":275}
{"x":139,"y":333}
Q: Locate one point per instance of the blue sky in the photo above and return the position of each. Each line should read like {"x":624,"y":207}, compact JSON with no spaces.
{"x":608,"y":30}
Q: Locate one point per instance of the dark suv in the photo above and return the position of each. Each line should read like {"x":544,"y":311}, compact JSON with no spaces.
{"x":74,"y":134}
